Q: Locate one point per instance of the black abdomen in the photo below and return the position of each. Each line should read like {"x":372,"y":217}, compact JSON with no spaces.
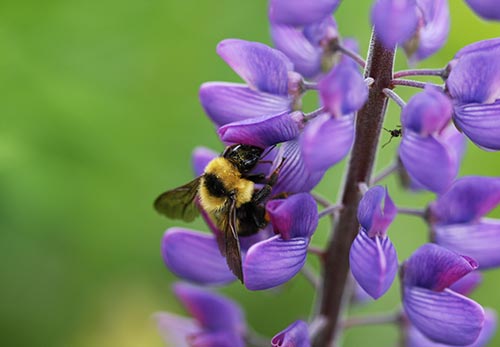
{"x":251,"y":218}
{"x":214,"y":185}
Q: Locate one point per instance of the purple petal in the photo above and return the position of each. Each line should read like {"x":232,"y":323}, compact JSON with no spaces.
{"x":418,"y":154}
{"x":427,"y":112}
{"x":263,"y":131}
{"x":343,"y":90}
{"x":195,"y":257}
{"x":435,"y":268}
{"x":374,"y":263}
{"x":319,"y":32}
{"x":230,"y":102}
{"x":175,"y":329}
{"x":306,"y":58}
{"x":484,"y":46}
{"x":216,"y":339}
{"x":487,"y":9}
{"x":433,"y":28}
{"x":481,"y":123}
{"x":468,"y":283}
{"x":333,"y":135}
{"x":213,"y":311}
{"x":475,"y":75}
{"x":295,"y":335}
{"x":446,"y":317}
{"x":395,"y":21}
{"x":294,"y":176}
{"x":480,"y":241}
{"x":273,"y":262}
{"x":299,"y":12}
{"x":295,"y":216}
{"x":376,"y":211}
{"x":468,"y":199}
{"x":454,"y":141}
{"x":262,"y":67}
{"x":200,"y":158}
{"x":417,"y":339}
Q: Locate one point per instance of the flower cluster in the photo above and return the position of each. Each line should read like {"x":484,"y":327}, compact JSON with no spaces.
{"x":265,"y":111}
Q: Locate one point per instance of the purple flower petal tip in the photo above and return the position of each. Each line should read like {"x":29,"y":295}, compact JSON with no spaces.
{"x":273,"y":262}
{"x":295,"y":216}
{"x":435,"y":268}
{"x":480,"y":240}
{"x":263,"y":131}
{"x":213,"y":312}
{"x":231,"y":102}
{"x":343,"y":90}
{"x":468,"y":283}
{"x":334,"y":135}
{"x":468,"y":199}
{"x":487,"y":9}
{"x":195,"y":257}
{"x":417,"y":152}
{"x":299,"y":12}
{"x":374,"y":263}
{"x":295,"y":335}
{"x":376,"y":211}
{"x":427,"y":112}
{"x":262,"y":67}
{"x":395,"y":21}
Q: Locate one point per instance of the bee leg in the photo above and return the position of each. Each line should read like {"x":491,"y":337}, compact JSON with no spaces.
{"x":256,"y":178}
{"x":385,"y":144}
{"x":264,"y":193}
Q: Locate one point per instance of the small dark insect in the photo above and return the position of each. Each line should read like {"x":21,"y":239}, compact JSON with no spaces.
{"x":227,"y":194}
{"x":398,"y":132}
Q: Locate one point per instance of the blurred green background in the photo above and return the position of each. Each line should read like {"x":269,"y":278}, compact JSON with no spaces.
{"x":99,"y":114}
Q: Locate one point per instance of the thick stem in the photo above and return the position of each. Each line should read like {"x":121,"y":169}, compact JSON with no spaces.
{"x":368,"y":126}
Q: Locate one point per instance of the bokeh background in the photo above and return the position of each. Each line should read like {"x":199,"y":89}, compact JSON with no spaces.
{"x":99,"y":113}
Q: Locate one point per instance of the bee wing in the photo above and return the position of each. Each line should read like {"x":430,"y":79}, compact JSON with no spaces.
{"x":230,"y":245}
{"x":179,"y":203}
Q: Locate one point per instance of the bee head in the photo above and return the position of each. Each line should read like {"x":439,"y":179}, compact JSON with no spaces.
{"x":244,"y":157}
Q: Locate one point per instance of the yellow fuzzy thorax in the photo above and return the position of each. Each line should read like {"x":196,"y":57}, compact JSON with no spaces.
{"x":233,"y":182}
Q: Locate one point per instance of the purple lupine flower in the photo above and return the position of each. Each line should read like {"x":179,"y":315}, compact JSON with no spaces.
{"x":432,"y":29}
{"x":463,"y":286}
{"x":429,"y":140}
{"x":421,"y":26}
{"x":343,"y":90}
{"x":438,"y":312}
{"x":305,"y":46}
{"x":457,"y":221}
{"x":473,"y":83}
{"x":218,"y":321}
{"x":295,"y":335}
{"x":333,"y":132}
{"x":267,"y":261}
{"x":487,"y":9}
{"x":299,"y":12}
{"x":265,"y":71}
{"x":395,"y":21}
{"x":373,"y":258}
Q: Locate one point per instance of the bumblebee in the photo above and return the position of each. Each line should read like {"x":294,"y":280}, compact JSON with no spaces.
{"x":226,"y":192}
